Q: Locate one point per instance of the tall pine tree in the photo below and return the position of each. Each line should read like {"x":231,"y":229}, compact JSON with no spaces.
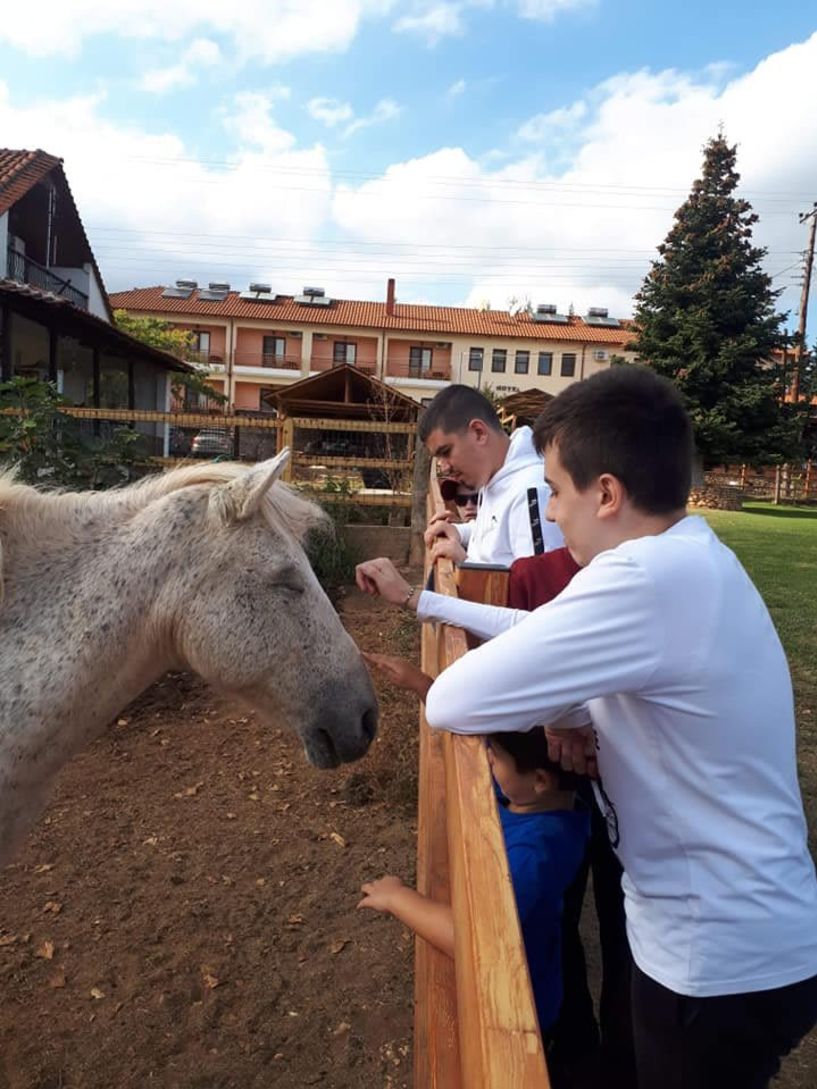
{"x":706,"y":319}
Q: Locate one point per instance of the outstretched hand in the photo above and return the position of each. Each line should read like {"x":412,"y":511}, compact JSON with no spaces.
{"x":401,"y":672}
{"x":378,"y":895}
{"x":382,"y":577}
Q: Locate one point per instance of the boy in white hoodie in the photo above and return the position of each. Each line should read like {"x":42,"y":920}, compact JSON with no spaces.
{"x":462,"y":430}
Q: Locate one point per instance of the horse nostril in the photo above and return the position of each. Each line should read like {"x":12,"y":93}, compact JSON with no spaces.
{"x":368,"y":724}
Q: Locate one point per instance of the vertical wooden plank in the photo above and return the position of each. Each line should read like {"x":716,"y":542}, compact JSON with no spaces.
{"x":500,"y":1045}
{"x":287,"y":438}
{"x":436,"y":1040}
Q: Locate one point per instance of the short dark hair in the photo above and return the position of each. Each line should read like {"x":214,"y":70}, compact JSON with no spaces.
{"x":627,"y":421}
{"x":453,"y":409}
{"x":529,"y":752}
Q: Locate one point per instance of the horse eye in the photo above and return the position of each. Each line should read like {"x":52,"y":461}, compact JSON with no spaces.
{"x":292,"y":586}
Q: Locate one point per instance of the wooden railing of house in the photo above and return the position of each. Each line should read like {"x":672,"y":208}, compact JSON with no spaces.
{"x":475,"y":1022}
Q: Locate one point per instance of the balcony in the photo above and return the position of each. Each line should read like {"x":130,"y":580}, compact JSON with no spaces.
{"x":437,"y":372}
{"x":25,"y":271}
{"x":268,"y":360}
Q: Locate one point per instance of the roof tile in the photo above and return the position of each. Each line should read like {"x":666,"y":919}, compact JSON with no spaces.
{"x":430,"y":321}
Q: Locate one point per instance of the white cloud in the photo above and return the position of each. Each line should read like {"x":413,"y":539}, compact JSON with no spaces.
{"x":385,"y":110}
{"x":545,"y":11}
{"x":434,"y":20}
{"x":330,"y":111}
{"x":585,"y":233}
{"x":271,"y":30}
{"x":146,"y":201}
{"x":542,"y":126}
{"x":201,"y":53}
{"x":457,"y":89}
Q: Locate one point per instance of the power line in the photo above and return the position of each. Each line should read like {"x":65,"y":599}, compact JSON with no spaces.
{"x":233,"y":165}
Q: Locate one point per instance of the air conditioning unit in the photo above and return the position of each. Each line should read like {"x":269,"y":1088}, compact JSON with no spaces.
{"x":600,"y":356}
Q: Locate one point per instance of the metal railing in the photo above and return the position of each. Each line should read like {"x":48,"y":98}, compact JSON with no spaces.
{"x":268,"y":360}
{"x":26,"y":271}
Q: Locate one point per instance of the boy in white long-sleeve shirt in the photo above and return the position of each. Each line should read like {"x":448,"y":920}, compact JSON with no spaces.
{"x":664,"y":637}
{"x":462,"y":430}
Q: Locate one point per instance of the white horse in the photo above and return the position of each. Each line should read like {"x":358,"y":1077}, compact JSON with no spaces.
{"x":200,"y":568}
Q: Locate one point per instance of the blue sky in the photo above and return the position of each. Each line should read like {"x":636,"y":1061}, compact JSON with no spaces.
{"x":477,"y":149}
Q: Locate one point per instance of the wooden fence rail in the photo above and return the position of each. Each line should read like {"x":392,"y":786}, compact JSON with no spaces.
{"x":475,"y":1020}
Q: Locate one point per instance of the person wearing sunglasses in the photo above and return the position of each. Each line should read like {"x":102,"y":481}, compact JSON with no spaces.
{"x":464,"y":497}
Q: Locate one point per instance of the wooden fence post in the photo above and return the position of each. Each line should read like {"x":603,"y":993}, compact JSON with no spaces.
{"x":419,"y":494}
{"x":287,"y":438}
{"x":776,"y":496}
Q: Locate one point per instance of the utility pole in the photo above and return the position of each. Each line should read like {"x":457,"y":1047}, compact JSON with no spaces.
{"x":800,"y":347}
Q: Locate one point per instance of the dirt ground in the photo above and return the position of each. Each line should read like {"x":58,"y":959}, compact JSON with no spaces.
{"x":184,"y":914}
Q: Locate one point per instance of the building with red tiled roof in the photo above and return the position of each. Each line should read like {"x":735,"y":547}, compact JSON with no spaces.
{"x":254,"y":342}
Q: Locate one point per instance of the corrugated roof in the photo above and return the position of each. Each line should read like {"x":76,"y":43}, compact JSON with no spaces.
{"x":429,"y":322}
{"x":20,"y":171}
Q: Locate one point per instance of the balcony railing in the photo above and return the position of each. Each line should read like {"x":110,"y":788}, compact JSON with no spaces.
{"x":268,"y":359}
{"x":25,"y":271}
{"x":440,"y":372}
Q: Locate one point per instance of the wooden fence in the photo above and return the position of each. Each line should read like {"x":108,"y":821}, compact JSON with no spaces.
{"x":778,"y":483}
{"x":475,"y":1019}
{"x":373,"y":468}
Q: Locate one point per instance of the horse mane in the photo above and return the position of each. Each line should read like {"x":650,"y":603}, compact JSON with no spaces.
{"x":284,"y":505}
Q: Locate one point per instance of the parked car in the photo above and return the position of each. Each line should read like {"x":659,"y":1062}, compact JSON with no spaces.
{"x":212,"y":442}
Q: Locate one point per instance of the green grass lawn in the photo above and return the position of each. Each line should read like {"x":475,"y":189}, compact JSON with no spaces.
{"x":778,"y":547}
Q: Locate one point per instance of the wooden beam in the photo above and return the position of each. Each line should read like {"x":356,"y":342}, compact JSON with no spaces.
{"x":53,"y":344}
{"x":5,"y":344}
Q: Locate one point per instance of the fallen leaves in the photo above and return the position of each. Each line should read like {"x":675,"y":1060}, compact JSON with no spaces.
{"x":57,"y":981}
{"x":45,"y":950}
{"x":336,"y":837}
{"x":97,"y":994}
{"x":209,"y":978}
{"x":52,"y":907}
{"x":189,"y":792}
{"x":7,"y":939}
{"x":338,"y":945}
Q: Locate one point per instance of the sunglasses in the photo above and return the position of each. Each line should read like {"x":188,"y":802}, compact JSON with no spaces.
{"x":464,"y":500}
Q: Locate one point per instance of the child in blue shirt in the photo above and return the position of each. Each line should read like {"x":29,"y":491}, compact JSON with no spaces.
{"x":545,"y":837}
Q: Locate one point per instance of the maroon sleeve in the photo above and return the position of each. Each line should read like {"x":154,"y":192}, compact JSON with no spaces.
{"x":535,"y":580}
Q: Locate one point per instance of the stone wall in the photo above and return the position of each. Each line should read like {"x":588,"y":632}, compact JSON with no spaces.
{"x":717,"y":496}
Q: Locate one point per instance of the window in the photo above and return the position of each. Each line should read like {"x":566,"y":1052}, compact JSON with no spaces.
{"x":274,"y":348}
{"x":201,"y":345}
{"x":568,"y":364}
{"x":545,"y":365}
{"x":344,"y":352}
{"x":475,"y":359}
{"x":419,"y":361}
{"x":498,"y":359}
{"x":522,"y":363}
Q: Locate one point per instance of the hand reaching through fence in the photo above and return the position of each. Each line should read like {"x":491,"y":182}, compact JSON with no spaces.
{"x":401,"y":672}
{"x":381,"y":577}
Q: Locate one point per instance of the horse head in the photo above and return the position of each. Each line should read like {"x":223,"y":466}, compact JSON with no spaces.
{"x":251,"y":617}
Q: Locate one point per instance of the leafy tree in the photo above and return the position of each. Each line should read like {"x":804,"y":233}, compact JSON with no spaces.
{"x":49,"y":446}
{"x":170,"y":338}
{"x":705,"y":317}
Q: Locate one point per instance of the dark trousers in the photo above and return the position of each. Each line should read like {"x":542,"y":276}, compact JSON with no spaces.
{"x":587,"y":1052}
{"x":725,"y":1042}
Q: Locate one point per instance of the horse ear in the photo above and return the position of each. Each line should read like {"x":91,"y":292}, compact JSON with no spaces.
{"x":247,"y":491}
